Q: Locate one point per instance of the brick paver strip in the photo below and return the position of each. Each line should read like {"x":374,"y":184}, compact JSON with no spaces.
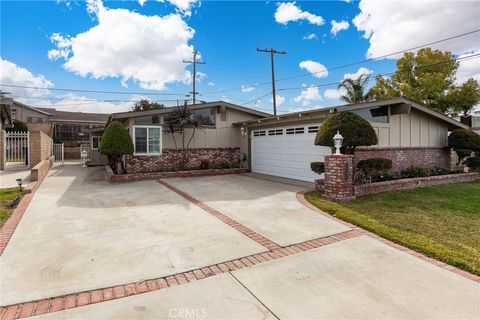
{"x":53,"y":304}
{"x":270,"y":245}
{"x":9,"y":227}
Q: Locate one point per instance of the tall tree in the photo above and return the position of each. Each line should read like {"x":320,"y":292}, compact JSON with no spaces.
{"x":463,"y":98}
{"x":145,"y":104}
{"x":427,"y":77}
{"x":355,"y":89}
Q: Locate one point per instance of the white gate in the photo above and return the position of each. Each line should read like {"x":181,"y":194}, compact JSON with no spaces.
{"x":58,"y":152}
{"x":16,"y":150}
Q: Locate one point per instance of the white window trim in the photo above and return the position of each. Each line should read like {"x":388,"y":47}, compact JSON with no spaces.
{"x":147,"y":153}
{"x":91,"y":142}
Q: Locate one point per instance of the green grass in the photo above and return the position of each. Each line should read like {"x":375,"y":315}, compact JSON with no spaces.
{"x":442,"y":222}
{"x":7,"y":195}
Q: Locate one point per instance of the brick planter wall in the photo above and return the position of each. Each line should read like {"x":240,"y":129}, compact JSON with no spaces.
{"x":412,"y":183}
{"x":170,"y":160}
{"x":129,"y":177}
{"x":405,"y":157}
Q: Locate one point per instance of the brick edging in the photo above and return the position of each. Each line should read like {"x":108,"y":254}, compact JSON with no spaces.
{"x":78,"y":299}
{"x":443,"y":265}
{"x":217,"y":214}
{"x":11,"y":224}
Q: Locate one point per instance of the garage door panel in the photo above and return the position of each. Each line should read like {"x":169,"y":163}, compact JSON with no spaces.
{"x":287,"y":156}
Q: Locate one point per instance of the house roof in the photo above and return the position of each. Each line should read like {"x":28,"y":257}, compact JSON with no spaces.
{"x":129,"y":114}
{"x":69,"y":116}
{"x":370,"y":104}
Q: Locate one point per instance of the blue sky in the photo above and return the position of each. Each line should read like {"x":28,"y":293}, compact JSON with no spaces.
{"x":132,"y":46}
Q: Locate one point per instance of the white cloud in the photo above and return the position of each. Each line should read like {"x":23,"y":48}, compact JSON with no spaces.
{"x":357,"y":74}
{"x":141,"y":2}
{"x":348,"y":1}
{"x":317,"y":70}
{"x":332,"y":94}
{"x":338,"y":26}
{"x":279,"y":99}
{"x":211,"y":84}
{"x":124,"y":44}
{"x":469,"y":68}
{"x":311,"y":36}
{"x":288,"y":11}
{"x":183,"y":6}
{"x":308,"y":95}
{"x":392,"y":26}
{"x":303,"y":108}
{"x":14,"y":75}
{"x":246,"y":88}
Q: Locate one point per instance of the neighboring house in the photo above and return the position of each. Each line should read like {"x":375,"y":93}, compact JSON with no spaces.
{"x":6,"y":121}
{"x":476,"y":121}
{"x":408,"y":133}
{"x":63,"y":126}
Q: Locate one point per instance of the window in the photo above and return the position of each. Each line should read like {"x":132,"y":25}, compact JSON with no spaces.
{"x":275,"y":132}
{"x":313,"y":129}
{"x":299,"y":130}
{"x":204,"y":116}
{"x":34,"y":120}
{"x":95,"y":143}
{"x":260,"y":133}
{"x":151,"y":120}
{"x":147,"y":140}
{"x":379,"y":115}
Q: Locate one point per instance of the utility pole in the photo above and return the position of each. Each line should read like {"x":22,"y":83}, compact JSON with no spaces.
{"x":272,"y":52}
{"x":194,"y":62}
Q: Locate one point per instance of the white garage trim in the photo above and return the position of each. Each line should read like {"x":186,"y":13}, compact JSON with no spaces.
{"x":287,"y":151}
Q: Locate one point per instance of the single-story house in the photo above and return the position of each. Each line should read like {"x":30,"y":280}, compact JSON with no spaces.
{"x":408,"y":133}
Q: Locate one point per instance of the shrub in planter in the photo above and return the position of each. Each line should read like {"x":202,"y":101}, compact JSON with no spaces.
{"x":438,"y":171}
{"x":371,"y":169}
{"x":473,"y":163}
{"x":355,"y":130}
{"x":387,"y":175}
{"x":317,"y":167}
{"x":116,"y":142}
{"x":415,"y":172}
{"x":204,"y":164}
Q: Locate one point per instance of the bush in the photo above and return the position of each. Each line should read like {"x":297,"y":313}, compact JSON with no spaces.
{"x":204,"y":164}
{"x":464,"y":142}
{"x":438,"y":171}
{"x":224,"y":165}
{"x":374,"y":169}
{"x":317,"y":167}
{"x":415,"y":172}
{"x":387,"y":175}
{"x":116,"y":142}
{"x":18,"y":126}
{"x":473,"y":163}
{"x":355,"y":130}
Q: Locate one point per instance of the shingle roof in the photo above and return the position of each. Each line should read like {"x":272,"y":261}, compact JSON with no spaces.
{"x":69,"y":116}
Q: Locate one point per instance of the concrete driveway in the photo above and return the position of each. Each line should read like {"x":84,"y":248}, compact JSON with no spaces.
{"x":226,"y":247}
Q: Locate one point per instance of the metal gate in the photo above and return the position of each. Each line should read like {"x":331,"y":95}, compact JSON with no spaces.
{"x":16,"y":150}
{"x":58,"y":151}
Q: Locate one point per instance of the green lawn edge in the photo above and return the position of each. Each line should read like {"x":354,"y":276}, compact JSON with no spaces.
{"x":7,"y":195}
{"x":416,"y":242}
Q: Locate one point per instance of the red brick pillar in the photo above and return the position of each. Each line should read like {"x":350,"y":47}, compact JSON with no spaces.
{"x":339,"y":177}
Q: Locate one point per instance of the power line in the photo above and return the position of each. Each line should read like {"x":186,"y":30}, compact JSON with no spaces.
{"x":94,"y":100}
{"x":273,"y":52}
{"x":351,"y":64}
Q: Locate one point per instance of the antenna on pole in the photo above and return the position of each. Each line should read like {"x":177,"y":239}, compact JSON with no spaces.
{"x":194,"y":62}
{"x":272,"y":53}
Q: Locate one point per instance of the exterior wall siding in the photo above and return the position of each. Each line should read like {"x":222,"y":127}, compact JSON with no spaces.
{"x":40,"y":147}
{"x":170,"y":160}
{"x":408,"y":156}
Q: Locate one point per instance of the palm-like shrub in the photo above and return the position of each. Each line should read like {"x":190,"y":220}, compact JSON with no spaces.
{"x":355,"y":130}
{"x":116,"y":142}
{"x":355,"y":89}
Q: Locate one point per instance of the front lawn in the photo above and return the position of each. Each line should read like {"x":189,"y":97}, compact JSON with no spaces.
{"x":7,"y":195}
{"x":442,"y":222}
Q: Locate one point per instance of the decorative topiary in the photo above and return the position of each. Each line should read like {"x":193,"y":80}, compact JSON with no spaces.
{"x":463,"y":142}
{"x":317,"y":167}
{"x":116,"y":142}
{"x":18,"y":126}
{"x":355,"y":130}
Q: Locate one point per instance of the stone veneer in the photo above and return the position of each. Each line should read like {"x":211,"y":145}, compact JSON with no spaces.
{"x":404,"y":157}
{"x":170,"y":160}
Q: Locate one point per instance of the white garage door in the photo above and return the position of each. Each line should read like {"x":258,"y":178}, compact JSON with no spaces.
{"x":287,"y":152}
